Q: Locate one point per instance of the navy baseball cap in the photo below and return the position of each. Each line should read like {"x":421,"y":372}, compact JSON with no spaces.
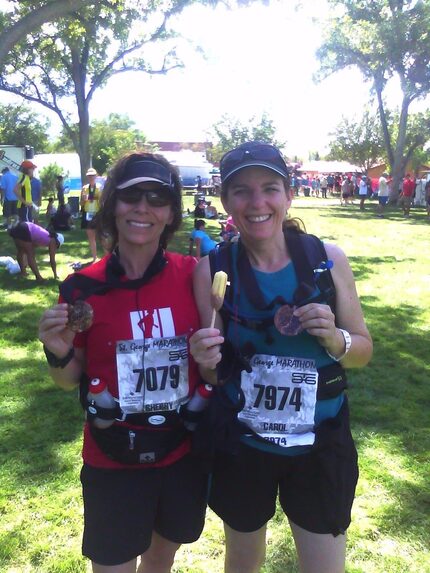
{"x":252,"y":154}
{"x":142,"y":170}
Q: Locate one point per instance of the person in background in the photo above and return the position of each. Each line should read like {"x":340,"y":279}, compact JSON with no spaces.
{"x":22,"y":191}
{"x":144,"y":494}
{"x":324,"y":185}
{"x":199,"y":210}
{"x":90,"y":204}
{"x":36,"y":196}
{"x":59,"y":185}
{"x":210,"y":211}
{"x":50,"y":208}
{"x":316,"y":185}
{"x":8,"y":182}
{"x":27,"y":236}
{"x":427,"y":196}
{"x":383,"y":193}
{"x":407,"y":194}
{"x":363,"y":190}
{"x":275,"y":334}
{"x":345,"y":191}
{"x":200,"y":239}
{"x":330,"y":183}
{"x":230,"y":231}
{"x":62,"y":219}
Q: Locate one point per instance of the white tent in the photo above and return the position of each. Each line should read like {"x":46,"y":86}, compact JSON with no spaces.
{"x":68,"y":162}
{"x":329,"y":167}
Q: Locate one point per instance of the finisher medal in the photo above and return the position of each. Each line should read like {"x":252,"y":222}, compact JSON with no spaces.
{"x":285,"y":322}
{"x":80,"y":316}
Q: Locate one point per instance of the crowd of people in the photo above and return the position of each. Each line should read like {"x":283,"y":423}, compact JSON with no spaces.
{"x":270,"y":359}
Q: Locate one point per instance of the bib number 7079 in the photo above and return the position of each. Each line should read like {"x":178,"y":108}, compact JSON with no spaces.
{"x":277,"y":397}
{"x":155,"y":378}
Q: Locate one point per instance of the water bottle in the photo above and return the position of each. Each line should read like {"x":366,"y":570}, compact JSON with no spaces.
{"x":198,"y":403}
{"x":99,"y":395}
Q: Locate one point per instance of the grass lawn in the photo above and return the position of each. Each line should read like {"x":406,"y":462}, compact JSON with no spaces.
{"x":40,"y":429}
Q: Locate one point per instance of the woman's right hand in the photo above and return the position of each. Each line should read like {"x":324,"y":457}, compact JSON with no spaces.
{"x":54,"y":332}
{"x":205,"y":347}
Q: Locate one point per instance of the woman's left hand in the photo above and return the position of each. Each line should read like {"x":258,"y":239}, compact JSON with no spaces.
{"x":318,"y":320}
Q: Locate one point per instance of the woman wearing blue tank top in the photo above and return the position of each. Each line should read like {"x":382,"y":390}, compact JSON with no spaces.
{"x":280,"y":354}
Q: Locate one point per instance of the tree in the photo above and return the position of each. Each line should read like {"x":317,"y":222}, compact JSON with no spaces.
{"x":77,"y":54}
{"x":20,"y":126}
{"x":384,"y":39}
{"x":48,"y":178}
{"x":11,"y":35}
{"x":229,"y":132}
{"x":358,"y":141}
{"x":111,"y":138}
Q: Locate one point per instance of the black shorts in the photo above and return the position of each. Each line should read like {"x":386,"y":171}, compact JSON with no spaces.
{"x":21,"y":232}
{"x":123,"y":507}
{"x":87,"y":224}
{"x":316,"y":489}
{"x":10,"y":208}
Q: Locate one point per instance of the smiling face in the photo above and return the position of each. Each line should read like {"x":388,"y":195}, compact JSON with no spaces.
{"x":141,"y":224}
{"x":258,"y":202}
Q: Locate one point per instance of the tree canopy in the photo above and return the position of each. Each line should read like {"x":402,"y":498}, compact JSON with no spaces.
{"x":66,"y":60}
{"x":358,"y":141}
{"x":21,"y":126}
{"x":229,"y":132}
{"x":384,"y":39}
{"x":12,"y":34}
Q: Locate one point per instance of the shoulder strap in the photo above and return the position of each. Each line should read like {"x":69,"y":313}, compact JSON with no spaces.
{"x":307,"y":253}
{"x":80,"y":287}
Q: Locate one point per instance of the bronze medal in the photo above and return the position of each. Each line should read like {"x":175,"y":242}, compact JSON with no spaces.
{"x":80,"y":316}
{"x":285,"y":322}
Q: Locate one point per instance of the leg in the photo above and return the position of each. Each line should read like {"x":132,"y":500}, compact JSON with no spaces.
{"x":244,"y":552}
{"x":26,"y":253}
{"x":159,"y":557}
{"x":319,"y":553}
{"x":22,"y":259}
{"x":91,"y":234}
{"x":129,"y":567}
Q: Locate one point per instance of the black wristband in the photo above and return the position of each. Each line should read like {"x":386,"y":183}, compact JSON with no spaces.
{"x":56,"y":362}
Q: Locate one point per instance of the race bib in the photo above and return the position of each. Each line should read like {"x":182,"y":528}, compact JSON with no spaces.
{"x":280,"y":399}
{"x":152,"y":374}
{"x":89,"y":216}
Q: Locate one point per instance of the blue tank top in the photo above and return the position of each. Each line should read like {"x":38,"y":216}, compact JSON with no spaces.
{"x":271,"y":341}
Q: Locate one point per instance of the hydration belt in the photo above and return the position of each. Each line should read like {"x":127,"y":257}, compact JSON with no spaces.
{"x":135,"y":440}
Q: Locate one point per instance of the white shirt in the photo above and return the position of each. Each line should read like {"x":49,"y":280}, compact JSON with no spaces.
{"x":383,"y":187}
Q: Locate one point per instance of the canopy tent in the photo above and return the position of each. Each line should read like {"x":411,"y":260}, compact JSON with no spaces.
{"x":329,"y":167}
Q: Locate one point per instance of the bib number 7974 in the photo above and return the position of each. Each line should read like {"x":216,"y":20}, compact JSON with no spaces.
{"x":277,"y":397}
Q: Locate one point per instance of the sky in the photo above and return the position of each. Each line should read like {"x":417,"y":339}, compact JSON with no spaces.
{"x":257,"y":59}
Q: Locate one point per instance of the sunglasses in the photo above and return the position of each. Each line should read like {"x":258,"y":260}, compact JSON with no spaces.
{"x":154,"y":197}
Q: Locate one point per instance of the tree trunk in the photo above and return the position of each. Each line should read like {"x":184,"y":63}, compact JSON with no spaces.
{"x":399,"y":163}
{"x":79,"y":74}
{"x":383,"y":119}
{"x":84,"y":142}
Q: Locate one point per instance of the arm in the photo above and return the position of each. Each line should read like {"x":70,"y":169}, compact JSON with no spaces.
{"x":205,"y":344}
{"x":58,"y":339}
{"x":319,"y":320}
{"x":198,"y":243}
{"x":17,"y":190}
{"x":83,"y":198}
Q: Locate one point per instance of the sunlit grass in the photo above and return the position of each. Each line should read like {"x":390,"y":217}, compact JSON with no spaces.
{"x":41,"y":426}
